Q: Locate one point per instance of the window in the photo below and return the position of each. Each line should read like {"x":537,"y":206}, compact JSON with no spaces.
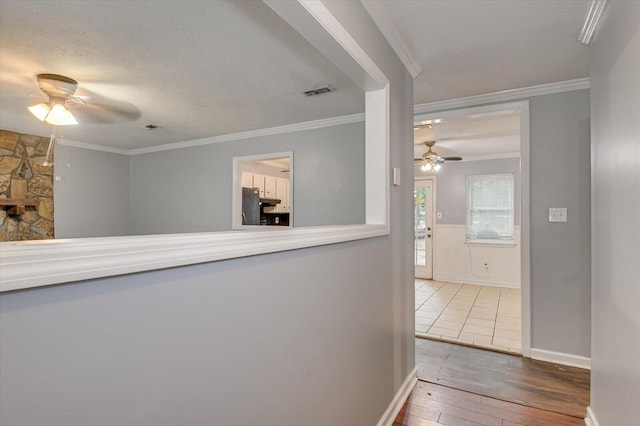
{"x":490,"y":208}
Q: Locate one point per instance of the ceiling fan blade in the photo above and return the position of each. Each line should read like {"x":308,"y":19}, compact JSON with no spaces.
{"x":417,"y":160}
{"x":452,"y":158}
{"x":107,"y":112}
{"x":96,"y":108}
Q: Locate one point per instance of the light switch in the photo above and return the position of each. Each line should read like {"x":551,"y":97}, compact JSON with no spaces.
{"x":58,"y":178}
{"x":396,"y":176}
{"x":557,"y":214}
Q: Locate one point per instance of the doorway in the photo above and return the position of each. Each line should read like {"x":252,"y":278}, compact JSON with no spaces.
{"x":478,"y":292}
{"x":423,"y":227}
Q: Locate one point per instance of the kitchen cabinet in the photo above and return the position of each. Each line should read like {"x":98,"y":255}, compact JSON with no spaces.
{"x":282,"y":193}
{"x":255,"y":180}
{"x":247,"y":180}
{"x":270,"y":187}
{"x":258,"y":182}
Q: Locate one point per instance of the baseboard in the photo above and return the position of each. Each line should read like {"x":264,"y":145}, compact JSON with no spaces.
{"x":488,"y":283}
{"x":591,"y":420}
{"x":561,"y":358}
{"x":398,"y":401}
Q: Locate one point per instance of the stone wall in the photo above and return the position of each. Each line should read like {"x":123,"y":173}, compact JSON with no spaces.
{"x":21,"y":167}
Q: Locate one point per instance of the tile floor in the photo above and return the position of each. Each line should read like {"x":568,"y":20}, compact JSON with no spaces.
{"x":483,"y":316}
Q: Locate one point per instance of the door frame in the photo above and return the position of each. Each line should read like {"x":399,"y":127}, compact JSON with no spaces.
{"x":525,"y":203}
{"x":433,"y":180}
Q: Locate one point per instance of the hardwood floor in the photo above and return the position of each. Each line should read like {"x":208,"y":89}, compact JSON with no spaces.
{"x":505,"y":377}
{"x":435,"y":405}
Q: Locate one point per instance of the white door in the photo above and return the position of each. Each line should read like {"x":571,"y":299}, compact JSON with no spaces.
{"x":423,"y":228}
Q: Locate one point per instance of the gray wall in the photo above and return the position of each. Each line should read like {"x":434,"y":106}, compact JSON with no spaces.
{"x":451,"y":197}
{"x":189,"y":189}
{"x":282,"y":339}
{"x":92,"y":199}
{"x":320,"y":336}
{"x":561,"y":252}
{"x":615,"y":103}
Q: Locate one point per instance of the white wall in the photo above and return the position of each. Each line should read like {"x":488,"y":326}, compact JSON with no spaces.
{"x":456,"y":261}
{"x":615,"y":104}
{"x":319,"y":336}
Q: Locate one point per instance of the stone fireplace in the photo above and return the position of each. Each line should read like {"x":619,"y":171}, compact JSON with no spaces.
{"x":26,"y":188}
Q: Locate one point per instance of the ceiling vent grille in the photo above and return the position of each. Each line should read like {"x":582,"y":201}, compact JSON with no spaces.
{"x":319,"y":90}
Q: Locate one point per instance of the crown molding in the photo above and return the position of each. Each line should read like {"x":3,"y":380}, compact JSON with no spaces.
{"x":591,"y":20}
{"x":490,"y":157}
{"x":504,"y":95}
{"x":307,"y":125}
{"x":85,"y":145}
{"x":381,"y":18}
{"x":488,"y":98}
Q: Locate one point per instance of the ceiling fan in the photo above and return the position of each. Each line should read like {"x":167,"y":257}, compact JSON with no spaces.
{"x":61,"y":90}
{"x":431,"y":161}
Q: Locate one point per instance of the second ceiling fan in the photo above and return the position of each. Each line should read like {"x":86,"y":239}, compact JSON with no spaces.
{"x":430,"y":160}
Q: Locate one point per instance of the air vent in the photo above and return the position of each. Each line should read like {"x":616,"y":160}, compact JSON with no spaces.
{"x":319,"y":90}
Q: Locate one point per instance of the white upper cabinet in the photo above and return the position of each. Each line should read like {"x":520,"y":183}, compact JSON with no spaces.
{"x":270,"y":187}
{"x":259,"y":182}
{"x":282,"y":193}
{"x":247,"y":180}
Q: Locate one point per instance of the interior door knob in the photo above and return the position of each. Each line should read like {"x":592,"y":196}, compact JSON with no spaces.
{"x":428,"y":235}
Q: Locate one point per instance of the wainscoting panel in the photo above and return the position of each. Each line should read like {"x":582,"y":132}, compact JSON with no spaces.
{"x":456,"y":261}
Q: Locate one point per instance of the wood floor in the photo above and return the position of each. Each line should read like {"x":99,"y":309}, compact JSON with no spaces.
{"x":436,"y":405}
{"x":504,"y":377}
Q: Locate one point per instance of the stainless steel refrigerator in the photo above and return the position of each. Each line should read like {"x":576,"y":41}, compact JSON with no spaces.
{"x":250,"y":206}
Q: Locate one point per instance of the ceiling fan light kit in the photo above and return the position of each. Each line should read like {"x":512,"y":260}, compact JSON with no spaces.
{"x":58,"y":88}
{"x":62,"y":98}
{"x":54,"y":113}
{"x":431,"y":161}
{"x":430,"y":166}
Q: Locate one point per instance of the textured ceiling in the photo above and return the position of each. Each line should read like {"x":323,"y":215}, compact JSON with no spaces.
{"x":471,"y":47}
{"x":206,"y":68}
{"x":194,"y":68}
